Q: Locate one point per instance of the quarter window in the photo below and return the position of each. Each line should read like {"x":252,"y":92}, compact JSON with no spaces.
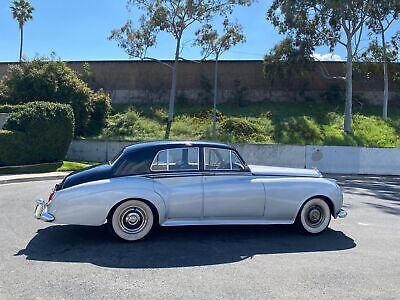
{"x":178,"y":159}
{"x":222,"y":159}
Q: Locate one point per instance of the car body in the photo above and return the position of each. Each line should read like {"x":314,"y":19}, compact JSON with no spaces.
{"x":175,"y":183}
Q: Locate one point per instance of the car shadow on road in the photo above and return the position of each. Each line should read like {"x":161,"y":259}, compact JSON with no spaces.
{"x":176,"y":246}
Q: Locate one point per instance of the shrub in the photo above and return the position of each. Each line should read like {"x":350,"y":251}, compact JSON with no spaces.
{"x":41,"y":132}
{"x":131,"y":126}
{"x":8,"y":108}
{"x":241,"y":130}
{"x":51,"y":81}
{"x":207,"y":115}
{"x":100,"y":107}
{"x":299,"y":130}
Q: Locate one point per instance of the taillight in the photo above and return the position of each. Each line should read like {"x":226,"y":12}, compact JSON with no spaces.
{"x":51,"y":196}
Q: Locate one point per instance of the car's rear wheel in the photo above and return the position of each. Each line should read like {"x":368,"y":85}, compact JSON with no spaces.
{"x":132,"y":220}
{"x":314,"y":216}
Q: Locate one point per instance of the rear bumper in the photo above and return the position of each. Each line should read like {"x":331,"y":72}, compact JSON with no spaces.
{"x":341,"y":213}
{"x":41,"y":212}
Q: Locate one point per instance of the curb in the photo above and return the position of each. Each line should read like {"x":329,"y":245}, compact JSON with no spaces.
{"x":30,"y":179}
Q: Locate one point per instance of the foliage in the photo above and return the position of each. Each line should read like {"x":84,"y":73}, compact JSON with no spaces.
{"x":41,"y":132}
{"x":213,"y":43}
{"x":242,"y":130}
{"x":266,"y":123}
{"x":87,"y":75}
{"x":8,"y":108}
{"x":22,"y":11}
{"x":288,"y":60}
{"x":324,"y":22}
{"x":54,"y":81}
{"x":299,"y":130}
{"x":100,"y":107}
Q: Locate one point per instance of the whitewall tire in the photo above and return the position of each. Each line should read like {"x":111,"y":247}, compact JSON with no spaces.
{"x":132,"y":220}
{"x":315,"y":216}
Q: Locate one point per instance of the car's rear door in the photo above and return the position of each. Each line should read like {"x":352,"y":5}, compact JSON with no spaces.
{"x":230,"y":190}
{"x":178,"y":181}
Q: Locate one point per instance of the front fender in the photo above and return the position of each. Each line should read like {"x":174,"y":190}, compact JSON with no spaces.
{"x":285,"y":196}
{"x":89,"y":203}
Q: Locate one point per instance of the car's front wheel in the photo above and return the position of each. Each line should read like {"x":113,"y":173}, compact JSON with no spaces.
{"x":132,"y":220}
{"x":315,"y":216}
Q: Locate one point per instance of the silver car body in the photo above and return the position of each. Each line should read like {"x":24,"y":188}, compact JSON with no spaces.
{"x":264,"y":195}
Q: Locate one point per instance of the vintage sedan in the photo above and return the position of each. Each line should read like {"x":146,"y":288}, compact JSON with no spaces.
{"x":177,"y":183}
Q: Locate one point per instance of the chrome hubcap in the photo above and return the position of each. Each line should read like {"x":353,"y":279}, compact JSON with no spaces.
{"x":315,"y":216}
{"x":132,"y":219}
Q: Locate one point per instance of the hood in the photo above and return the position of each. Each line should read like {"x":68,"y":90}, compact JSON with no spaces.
{"x":278,"y":171}
{"x":91,"y":174}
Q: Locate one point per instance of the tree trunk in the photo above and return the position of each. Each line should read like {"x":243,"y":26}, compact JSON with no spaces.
{"x":214,"y":133}
{"x":22,"y":42}
{"x":173,"y":91}
{"x":385,"y":78}
{"x":349,"y":88}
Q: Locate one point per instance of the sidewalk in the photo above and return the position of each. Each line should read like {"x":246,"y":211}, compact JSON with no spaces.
{"x":4,"y":179}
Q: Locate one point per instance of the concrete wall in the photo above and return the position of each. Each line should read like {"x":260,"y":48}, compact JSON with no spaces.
{"x":3,"y":119}
{"x":328,"y":159}
{"x":149,"y":82}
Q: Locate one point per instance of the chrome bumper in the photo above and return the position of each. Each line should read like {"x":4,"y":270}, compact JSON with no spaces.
{"x":341,"y":213}
{"x":41,"y":211}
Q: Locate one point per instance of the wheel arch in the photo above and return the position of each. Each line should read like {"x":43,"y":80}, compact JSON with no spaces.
{"x":153,"y":208}
{"x":323,"y":197}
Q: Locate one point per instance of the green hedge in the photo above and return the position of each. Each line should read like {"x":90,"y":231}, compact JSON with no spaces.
{"x":54,"y":81}
{"x":8,"y":108}
{"x":40,"y":132}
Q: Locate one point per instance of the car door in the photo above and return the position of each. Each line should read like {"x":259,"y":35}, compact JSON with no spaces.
{"x":179,"y":182}
{"x":230,"y":190}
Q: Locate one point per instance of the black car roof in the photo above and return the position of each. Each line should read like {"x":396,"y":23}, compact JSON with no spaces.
{"x":174,"y":144}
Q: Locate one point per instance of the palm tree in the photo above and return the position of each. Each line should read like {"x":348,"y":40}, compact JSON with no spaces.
{"x":22,"y":12}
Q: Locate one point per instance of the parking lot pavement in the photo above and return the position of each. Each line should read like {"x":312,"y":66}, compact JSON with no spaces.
{"x":358,"y":257}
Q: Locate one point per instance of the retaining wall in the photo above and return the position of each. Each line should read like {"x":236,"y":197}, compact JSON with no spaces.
{"x":149,"y":82}
{"x":328,"y":159}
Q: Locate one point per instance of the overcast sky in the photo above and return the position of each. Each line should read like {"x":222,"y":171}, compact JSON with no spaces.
{"x":78,"y":30}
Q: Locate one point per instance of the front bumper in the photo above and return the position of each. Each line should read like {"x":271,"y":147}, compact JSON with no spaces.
{"x":41,"y":212}
{"x":341,"y":213}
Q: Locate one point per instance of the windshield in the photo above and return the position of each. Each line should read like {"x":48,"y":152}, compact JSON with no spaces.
{"x":115,"y":157}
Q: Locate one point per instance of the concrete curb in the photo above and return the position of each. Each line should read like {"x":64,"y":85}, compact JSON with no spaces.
{"x":6,"y":179}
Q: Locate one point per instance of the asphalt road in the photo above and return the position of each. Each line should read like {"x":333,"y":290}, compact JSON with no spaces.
{"x":359,"y":257}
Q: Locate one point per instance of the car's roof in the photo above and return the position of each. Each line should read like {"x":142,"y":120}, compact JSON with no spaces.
{"x":166,"y":144}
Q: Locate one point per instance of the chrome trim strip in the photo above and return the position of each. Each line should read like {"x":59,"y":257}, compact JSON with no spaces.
{"x":184,"y":174}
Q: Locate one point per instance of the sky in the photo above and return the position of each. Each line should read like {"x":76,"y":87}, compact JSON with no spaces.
{"x":78,"y":30}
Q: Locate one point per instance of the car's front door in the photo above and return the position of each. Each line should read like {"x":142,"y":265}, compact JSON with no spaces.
{"x":230,"y":190}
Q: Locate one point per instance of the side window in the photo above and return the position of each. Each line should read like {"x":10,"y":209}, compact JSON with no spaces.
{"x":237,"y":163}
{"x":160,"y":161}
{"x":179,"y":159}
{"x":222,"y":159}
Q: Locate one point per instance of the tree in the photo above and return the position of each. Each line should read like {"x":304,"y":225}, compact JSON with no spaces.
{"x":325,"y":22}
{"x":289,"y":60}
{"x":382,"y":15}
{"x":22,"y":12}
{"x":173,"y":17}
{"x":213,"y":43}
